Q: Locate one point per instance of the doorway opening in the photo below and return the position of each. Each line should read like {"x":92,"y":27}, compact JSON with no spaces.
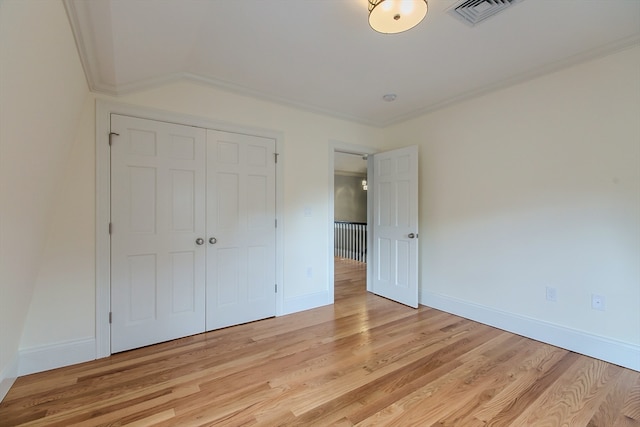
{"x":349,"y":212}
{"x":392,"y":223}
{"x":350,"y":207}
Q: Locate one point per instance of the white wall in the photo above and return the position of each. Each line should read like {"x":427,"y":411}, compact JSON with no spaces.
{"x":350,"y":200}
{"x":42,"y":89}
{"x":532,"y":186}
{"x":62,"y":313}
{"x":62,"y":307}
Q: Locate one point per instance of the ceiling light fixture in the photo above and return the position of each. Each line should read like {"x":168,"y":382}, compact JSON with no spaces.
{"x":396,"y":16}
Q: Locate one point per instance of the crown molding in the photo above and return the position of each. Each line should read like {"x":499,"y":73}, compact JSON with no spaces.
{"x":79,"y":19}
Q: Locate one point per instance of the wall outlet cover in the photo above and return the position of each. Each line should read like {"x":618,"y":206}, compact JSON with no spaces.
{"x":598,"y":302}
{"x":551,"y":294}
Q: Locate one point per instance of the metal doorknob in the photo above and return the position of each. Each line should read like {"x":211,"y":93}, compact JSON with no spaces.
{"x":411,"y":235}
{"x":199,"y":241}
{"x":213,"y":240}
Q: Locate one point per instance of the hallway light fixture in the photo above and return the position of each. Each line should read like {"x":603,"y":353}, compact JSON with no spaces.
{"x":396,"y":16}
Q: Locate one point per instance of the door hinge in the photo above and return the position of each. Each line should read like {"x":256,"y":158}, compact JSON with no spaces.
{"x":275,"y":156}
{"x":276,"y":221}
{"x":110,"y":135}
{"x":276,"y":288}
{"x":110,"y":317}
{"x":110,"y":228}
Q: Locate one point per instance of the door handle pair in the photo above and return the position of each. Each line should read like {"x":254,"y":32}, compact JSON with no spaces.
{"x":200,"y":241}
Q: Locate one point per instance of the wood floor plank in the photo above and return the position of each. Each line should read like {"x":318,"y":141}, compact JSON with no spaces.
{"x":152,"y":419}
{"x":454,"y":395}
{"x":632,"y":402}
{"x":614,"y":402}
{"x":522,"y":381}
{"x":495,"y":376}
{"x":566,"y":395}
{"x":363,"y":361}
{"x":624,"y":421}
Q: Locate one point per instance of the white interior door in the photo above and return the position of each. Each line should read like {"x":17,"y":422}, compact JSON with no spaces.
{"x":158,"y":213}
{"x":395,"y":225}
{"x":241,"y":231}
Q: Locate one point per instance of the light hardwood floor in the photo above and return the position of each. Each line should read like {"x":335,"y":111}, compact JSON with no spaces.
{"x":364,"y":361}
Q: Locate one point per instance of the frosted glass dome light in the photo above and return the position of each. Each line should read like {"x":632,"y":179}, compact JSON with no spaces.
{"x":396,"y":16}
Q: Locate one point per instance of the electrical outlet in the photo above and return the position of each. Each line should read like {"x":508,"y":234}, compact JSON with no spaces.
{"x":597,"y":302}
{"x":551,"y":294}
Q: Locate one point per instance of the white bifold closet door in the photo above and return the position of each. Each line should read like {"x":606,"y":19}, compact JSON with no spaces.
{"x":158,"y":173}
{"x":241,"y":214}
{"x":193,"y":230}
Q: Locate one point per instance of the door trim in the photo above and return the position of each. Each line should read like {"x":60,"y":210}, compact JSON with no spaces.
{"x":351,"y":148}
{"x":104,"y":109}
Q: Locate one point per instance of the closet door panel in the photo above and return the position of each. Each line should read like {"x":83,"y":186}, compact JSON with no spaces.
{"x":157,"y":214}
{"x":241,"y":220}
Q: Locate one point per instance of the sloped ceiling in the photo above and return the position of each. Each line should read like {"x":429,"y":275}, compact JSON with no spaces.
{"x":321,"y":55}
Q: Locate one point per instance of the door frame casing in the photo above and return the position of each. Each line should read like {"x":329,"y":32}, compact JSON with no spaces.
{"x":104,"y":109}
{"x":337,"y":146}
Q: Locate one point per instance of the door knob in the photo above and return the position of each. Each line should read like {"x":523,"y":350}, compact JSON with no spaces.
{"x":213,"y":240}
{"x":411,"y":235}
{"x":199,"y":241}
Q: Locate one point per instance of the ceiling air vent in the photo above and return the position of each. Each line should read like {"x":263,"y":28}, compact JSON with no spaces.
{"x":472,"y":12}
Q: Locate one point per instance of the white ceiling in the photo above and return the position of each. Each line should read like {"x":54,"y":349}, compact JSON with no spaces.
{"x":321,"y":55}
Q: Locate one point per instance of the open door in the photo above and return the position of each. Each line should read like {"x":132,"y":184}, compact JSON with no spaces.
{"x":394,"y":188}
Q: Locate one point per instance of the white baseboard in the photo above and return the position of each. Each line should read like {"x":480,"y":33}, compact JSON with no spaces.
{"x":610,"y":350}
{"x":8,"y":377}
{"x":43,"y":358}
{"x":305,"y":302}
